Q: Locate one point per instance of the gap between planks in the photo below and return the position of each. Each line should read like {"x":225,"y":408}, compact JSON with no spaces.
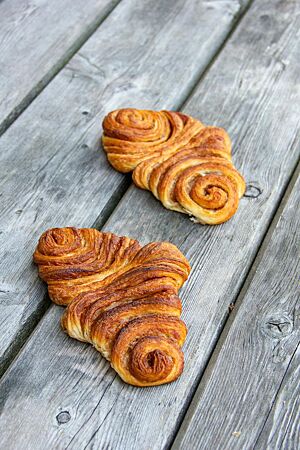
{"x":56,"y":68}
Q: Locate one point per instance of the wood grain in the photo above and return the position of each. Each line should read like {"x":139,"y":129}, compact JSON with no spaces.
{"x":36,"y":39}
{"x":52,"y":171}
{"x":252,"y":380}
{"x":251,"y":93}
{"x":281,"y":429}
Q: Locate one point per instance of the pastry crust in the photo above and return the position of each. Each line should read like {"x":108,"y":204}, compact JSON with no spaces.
{"x":120,"y":297}
{"x":185,"y":164}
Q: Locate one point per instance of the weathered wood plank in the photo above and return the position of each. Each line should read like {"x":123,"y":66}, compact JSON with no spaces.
{"x":36,"y":40}
{"x":241,"y":91}
{"x":281,"y":430}
{"x":256,"y":367}
{"x":52,"y":172}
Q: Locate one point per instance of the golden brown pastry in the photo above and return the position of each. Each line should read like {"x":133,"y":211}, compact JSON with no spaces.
{"x":121,"y":297}
{"x":185,"y":164}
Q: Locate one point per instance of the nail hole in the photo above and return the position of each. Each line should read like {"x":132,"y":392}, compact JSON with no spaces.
{"x":63,"y":417}
{"x":85,"y":146}
{"x":264,"y":18}
{"x":85,"y":113}
{"x":252,"y":191}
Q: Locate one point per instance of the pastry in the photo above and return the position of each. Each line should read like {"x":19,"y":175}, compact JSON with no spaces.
{"x":121,"y":297}
{"x":185,"y":164}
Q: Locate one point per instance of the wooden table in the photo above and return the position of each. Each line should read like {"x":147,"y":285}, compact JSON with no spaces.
{"x":234,"y":63}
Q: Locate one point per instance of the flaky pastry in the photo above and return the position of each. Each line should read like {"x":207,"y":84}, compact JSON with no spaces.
{"x":185,"y":164}
{"x":121,"y":297}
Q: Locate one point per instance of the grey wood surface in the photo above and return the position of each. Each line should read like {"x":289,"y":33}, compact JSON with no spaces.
{"x":254,"y":375}
{"x":251,"y":89}
{"x":36,"y":39}
{"x":281,"y":430}
{"x":52,"y":171}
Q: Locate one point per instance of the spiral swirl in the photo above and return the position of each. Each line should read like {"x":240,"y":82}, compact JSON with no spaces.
{"x":122,"y":298}
{"x":148,"y":351}
{"x":71,"y":260}
{"x":186,"y":165}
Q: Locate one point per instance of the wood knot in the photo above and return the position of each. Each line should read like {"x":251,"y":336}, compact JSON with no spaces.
{"x":278,"y":326}
{"x":63,"y":417}
{"x":252,"y":191}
